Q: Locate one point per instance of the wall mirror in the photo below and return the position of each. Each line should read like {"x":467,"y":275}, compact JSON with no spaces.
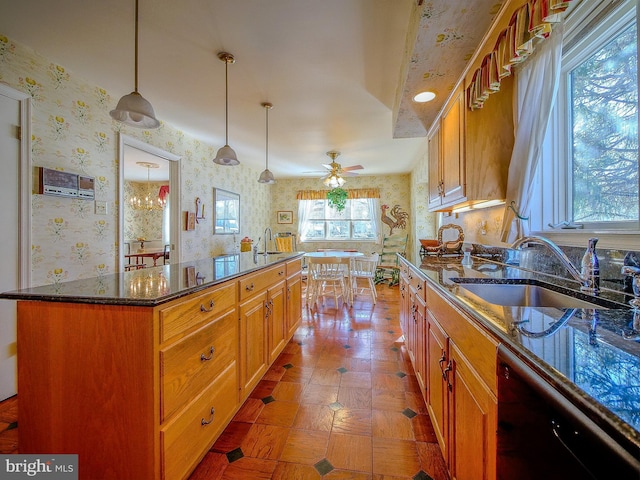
{"x":149,"y":204}
{"x":226,"y":212}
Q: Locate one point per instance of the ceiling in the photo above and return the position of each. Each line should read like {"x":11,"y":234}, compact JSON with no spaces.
{"x":339,"y":73}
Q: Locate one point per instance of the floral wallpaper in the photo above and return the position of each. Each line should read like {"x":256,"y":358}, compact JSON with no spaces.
{"x":72,"y":131}
{"x":394,"y":190}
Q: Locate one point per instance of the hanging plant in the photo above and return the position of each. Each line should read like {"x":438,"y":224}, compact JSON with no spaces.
{"x":337,"y":198}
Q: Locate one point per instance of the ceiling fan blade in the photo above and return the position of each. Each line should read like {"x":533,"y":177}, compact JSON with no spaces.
{"x":327,"y":166}
{"x":352,"y":167}
{"x":348,"y":174}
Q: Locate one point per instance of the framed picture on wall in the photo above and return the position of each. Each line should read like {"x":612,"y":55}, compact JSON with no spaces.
{"x":190,"y":220}
{"x":285,"y":216}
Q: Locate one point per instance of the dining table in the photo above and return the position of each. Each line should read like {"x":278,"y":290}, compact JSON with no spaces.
{"x":141,"y":255}
{"x":333,"y":254}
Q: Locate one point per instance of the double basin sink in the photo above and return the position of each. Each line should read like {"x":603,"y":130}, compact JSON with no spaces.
{"x":531,"y":293}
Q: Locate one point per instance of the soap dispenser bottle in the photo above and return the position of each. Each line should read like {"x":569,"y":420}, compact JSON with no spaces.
{"x":591,"y":269}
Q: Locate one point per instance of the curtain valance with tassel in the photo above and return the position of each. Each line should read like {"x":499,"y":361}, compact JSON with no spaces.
{"x":352,"y":193}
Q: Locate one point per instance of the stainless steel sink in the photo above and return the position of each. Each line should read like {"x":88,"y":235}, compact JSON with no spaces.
{"x":529,"y":294}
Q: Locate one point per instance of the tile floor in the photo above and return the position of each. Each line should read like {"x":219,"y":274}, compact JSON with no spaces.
{"x":341,"y":402}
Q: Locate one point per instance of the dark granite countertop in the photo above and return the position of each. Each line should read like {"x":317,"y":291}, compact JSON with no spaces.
{"x":591,"y":356}
{"x":152,"y":286}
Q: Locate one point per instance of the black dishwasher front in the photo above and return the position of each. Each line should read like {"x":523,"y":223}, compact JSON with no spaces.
{"x":541,"y":435}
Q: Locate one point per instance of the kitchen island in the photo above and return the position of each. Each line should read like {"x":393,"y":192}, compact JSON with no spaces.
{"x":586,"y":358}
{"x":139,"y":372}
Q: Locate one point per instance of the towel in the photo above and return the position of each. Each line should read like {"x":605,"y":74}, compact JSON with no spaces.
{"x":284,"y":244}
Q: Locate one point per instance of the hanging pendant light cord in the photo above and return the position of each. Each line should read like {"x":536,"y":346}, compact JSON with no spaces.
{"x":135,"y":84}
{"x":267,"y":142}
{"x":226,"y":101}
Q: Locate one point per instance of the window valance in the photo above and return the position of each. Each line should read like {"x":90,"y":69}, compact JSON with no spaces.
{"x":530,"y":23}
{"x":352,"y":193}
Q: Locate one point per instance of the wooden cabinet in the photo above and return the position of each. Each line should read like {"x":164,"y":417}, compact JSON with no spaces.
{"x":437,"y":398}
{"x":262,"y":324}
{"x":447,"y":155}
{"x":143,"y":392}
{"x":462,"y":390}
{"x":455,"y":364}
{"x":469,"y":151}
{"x":413,"y":318}
{"x":294,"y":296}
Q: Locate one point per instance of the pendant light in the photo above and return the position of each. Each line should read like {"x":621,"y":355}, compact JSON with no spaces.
{"x":267,"y":176}
{"x":150,"y":201}
{"x":134,"y":109}
{"x":226,"y":155}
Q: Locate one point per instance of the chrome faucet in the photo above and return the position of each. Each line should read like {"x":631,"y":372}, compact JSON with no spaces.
{"x":268,"y":229}
{"x":588,"y":276}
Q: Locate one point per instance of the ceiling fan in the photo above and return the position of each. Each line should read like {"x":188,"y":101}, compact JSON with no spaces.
{"x":336,"y":173}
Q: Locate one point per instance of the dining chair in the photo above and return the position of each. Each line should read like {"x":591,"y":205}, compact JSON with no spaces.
{"x":364,"y":268}
{"x":328,"y":276}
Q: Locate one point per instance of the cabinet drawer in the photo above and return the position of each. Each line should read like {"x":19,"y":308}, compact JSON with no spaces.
{"x":194,"y":310}
{"x":294,"y":267}
{"x":185,"y":441}
{"x":477,"y":345}
{"x":257,"y":282}
{"x":189,"y":365}
{"x":418,"y":283}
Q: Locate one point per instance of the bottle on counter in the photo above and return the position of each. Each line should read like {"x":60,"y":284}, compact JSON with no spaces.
{"x":590,"y":270}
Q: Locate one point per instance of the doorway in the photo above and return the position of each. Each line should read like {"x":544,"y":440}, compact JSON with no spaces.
{"x":148,"y":170}
{"x":15,"y":197}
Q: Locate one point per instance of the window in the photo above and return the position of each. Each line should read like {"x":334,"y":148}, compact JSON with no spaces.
{"x":320,"y":222}
{"x":591,"y":147}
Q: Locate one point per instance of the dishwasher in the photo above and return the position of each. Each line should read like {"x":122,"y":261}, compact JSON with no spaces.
{"x":543,"y":435}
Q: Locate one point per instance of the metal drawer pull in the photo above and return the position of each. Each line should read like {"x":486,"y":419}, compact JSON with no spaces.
{"x":249,"y":288}
{"x":445,"y":372}
{"x":204,"y":309}
{"x":203,"y":422}
{"x":281,"y":272}
{"x":443,"y":359}
{"x":205,"y":359}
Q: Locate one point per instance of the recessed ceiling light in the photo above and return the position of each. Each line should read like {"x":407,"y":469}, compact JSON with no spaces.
{"x":423,"y":97}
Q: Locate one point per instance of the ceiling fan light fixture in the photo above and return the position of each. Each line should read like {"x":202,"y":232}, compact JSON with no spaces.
{"x":424,"y":97}
{"x":266,"y":176}
{"x":334,"y":181}
{"x":133,"y":109}
{"x":226,"y":155}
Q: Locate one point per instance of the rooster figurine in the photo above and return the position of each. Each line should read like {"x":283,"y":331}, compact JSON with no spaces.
{"x":398,"y":217}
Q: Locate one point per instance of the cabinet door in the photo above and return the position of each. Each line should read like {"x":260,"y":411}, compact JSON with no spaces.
{"x":437,"y":391}
{"x":404,"y":308}
{"x":253,"y":342}
{"x":276,"y":320}
{"x":473,"y":416}
{"x":434,"y":167}
{"x":453,"y":159}
{"x":420,"y":342}
{"x":294,"y":304}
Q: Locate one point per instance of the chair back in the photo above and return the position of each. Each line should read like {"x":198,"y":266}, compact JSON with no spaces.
{"x":364,"y":266}
{"x":328,"y":268}
{"x":390,"y":247}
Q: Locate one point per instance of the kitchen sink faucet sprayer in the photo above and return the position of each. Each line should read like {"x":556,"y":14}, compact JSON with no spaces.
{"x":268,"y":229}
{"x":589,"y":277}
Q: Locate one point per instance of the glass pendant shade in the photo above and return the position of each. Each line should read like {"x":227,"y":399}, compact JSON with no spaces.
{"x":226,"y":155}
{"x":266,"y":176}
{"x":133,"y":109}
{"x":136,"y":111}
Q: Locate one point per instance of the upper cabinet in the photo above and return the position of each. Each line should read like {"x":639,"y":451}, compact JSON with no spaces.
{"x":469,"y":151}
{"x":447,"y":167}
